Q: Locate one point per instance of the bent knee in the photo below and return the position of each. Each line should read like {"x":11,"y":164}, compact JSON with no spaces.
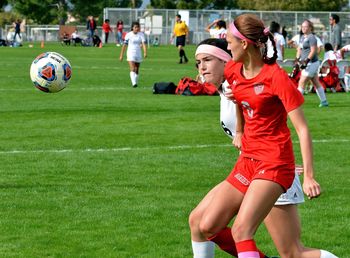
{"x":208,"y":229}
{"x":194,"y":219}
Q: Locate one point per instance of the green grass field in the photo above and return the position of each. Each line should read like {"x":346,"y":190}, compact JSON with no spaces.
{"x":105,"y":170}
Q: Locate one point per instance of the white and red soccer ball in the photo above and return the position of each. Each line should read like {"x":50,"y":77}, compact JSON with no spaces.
{"x":50,"y":72}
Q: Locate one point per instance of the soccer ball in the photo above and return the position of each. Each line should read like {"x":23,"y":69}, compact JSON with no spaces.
{"x":50,"y":72}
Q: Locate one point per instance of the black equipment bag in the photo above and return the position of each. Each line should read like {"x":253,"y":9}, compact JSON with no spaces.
{"x":164,"y":88}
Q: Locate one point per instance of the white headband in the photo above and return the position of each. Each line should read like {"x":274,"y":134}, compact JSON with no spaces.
{"x":214,"y":51}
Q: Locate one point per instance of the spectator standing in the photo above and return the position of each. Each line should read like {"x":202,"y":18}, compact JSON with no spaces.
{"x":17,"y":26}
{"x":219,"y":31}
{"x":133,"y":41}
{"x":119,"y":31}
{"x":106,"y":29}
{"x":91,"y":26}
{"x":335,"y":37}
{"x":181,"y":34}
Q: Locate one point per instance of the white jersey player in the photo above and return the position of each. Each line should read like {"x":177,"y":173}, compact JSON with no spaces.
{"x":217,"y":29}
{"x":133,"y":41}
{"x":218,"y":33}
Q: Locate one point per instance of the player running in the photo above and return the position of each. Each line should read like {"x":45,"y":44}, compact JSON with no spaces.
{"x":211,"y":60}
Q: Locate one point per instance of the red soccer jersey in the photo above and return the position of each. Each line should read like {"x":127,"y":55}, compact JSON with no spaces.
{"x":265,"y":101}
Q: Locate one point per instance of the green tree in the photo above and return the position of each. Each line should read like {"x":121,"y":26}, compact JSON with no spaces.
{"x":292,"y":5}
{"x":83,"y":8}
{"x":43,"y":11}
{"x":127,"y":3}
{"x":55,"y":11}
{"x":7,"y":18}
{"x":193,"y":4}
{"x":217,"y":4}
{"x":163,"y":4}
{"x":3,"y":3}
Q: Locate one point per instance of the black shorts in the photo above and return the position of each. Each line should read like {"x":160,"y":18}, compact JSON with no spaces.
{"x":181,"y":40}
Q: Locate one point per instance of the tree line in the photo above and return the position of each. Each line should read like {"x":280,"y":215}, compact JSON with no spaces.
{"x":55,"y":11}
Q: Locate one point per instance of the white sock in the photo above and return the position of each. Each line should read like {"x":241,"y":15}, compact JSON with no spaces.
{"x":301,"y":90}
{"x":321,"y":94}
{"x":347,"y":82}
{"x":203,"y":249}
{"x":326,"y":254}
{"x":132,"y":78}
{"x":136,"y":78}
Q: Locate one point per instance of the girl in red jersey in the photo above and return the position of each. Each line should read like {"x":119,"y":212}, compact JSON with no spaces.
{"x":265,"y":169}
{"x":283,"y":221}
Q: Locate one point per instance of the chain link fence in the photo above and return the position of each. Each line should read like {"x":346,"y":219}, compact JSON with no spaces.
{"x":197,"y":21}
{"x":158,"y":23}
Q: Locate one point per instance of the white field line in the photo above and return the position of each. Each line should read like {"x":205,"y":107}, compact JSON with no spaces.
{"x":115,"y":88}
{"x":122,"y":149}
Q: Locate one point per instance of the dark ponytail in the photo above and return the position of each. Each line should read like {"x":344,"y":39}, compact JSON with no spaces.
{"x":264,"y":39}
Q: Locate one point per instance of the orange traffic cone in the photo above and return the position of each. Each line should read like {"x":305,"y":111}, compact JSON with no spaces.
{"x":100,"y":46}
{"x":42,"y":44}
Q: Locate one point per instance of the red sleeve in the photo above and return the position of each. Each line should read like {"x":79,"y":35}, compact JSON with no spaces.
{"x":284,"y":88}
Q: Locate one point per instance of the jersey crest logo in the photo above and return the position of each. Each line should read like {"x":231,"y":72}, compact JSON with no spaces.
{"x":258,"y":88}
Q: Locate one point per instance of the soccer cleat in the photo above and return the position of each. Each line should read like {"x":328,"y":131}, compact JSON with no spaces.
{"x":186,"y":60}
{"x":134,"y":86}
{"x":323,"y":104}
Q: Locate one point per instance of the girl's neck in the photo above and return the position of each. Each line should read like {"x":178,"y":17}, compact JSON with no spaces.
{"x":252,"y":65}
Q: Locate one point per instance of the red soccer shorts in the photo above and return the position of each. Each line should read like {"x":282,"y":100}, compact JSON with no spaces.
{"x":247,"y":169}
